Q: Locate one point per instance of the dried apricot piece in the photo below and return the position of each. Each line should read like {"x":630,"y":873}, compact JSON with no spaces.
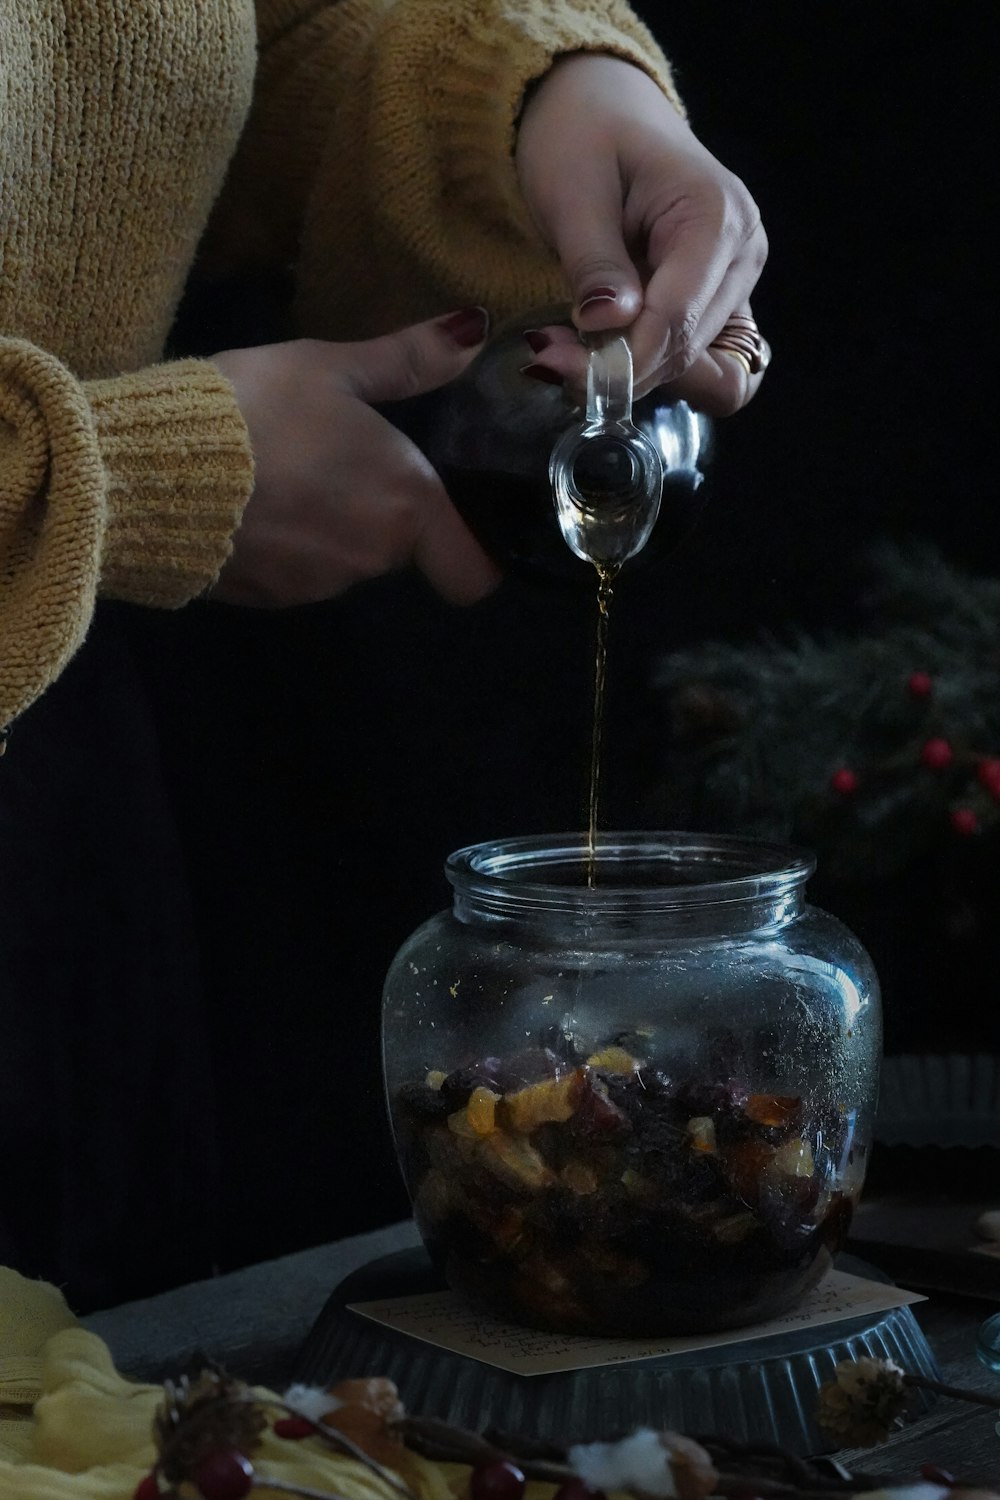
{"x":701,"y":1133}
{"x":794,"y":1159}
{"x":551,"y":1101}
{"x":613,"y":1060}
{"x":745,"y":1162}
{"x":482,"y":1110}
{"x":514,"y":1161}
{"x":579,"y":1178}
{"x":772,"y":1109}
{"x":365,"y":1410}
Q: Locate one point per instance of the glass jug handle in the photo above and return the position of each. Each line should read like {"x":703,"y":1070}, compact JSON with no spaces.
{"x":606,"y":476}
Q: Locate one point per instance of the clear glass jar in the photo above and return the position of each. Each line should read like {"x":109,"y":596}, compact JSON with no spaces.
{"x":638,"y":1106}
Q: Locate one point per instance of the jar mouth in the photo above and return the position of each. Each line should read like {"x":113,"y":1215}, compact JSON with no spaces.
{"x":632,"y":871}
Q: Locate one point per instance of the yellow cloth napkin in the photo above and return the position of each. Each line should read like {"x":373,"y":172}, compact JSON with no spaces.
{"x":71,"y":1428}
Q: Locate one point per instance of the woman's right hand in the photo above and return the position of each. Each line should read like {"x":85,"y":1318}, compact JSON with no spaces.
{"x":339,"y":494}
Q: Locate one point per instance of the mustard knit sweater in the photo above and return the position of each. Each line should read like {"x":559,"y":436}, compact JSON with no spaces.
{"x":367,"y":144}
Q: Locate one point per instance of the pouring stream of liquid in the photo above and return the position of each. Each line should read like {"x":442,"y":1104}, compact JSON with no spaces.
{"x":605,"y":591}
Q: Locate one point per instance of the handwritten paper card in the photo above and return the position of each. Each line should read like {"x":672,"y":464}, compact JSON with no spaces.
{"x":448,"y":1321}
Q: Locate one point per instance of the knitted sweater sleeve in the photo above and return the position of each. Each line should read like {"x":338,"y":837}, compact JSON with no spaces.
{"x":378,"y":160}
{"x":130,"y":486}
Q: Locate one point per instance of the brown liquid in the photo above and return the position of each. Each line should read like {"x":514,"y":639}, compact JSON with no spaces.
{"x":606,"y":576}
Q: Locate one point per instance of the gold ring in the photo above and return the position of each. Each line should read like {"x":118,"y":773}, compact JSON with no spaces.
{"x":741,"y":337}
{"x":737,"y":354}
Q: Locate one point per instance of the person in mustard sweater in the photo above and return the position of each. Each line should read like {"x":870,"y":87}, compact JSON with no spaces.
{"x":421,"y":168}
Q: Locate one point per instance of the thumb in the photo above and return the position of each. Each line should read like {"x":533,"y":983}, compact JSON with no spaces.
{"x":418,"y":358}
{"x":606,"y":287}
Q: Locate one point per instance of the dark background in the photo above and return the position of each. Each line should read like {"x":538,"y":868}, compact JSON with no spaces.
{"x":323,"y":762}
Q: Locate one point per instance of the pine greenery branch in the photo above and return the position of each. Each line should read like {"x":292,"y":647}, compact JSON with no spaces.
{"x":759,"y":733}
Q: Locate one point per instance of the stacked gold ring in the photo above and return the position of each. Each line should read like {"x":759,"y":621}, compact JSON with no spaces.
{"x":741,"y":338}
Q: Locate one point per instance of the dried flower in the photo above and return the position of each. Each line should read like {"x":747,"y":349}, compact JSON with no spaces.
{"x":863,"y":1402}
{"x":201,"y":1415}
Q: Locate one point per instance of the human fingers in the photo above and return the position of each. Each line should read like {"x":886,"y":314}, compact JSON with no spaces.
{"x":413,"y":360}
{"x":705,"y":257}
{"x":410,"y":362}
{"x":340,"y":495}
{"x":720,"y":382}
{"x":584,"y":226}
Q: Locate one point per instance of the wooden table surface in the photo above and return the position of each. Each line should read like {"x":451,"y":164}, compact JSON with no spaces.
{"x":254,"y":1322}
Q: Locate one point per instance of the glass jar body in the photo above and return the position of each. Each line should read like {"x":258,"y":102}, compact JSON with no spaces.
{"x":642,"y":1107}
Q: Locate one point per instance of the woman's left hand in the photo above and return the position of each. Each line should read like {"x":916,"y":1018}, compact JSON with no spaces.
{"x":653,"y":233}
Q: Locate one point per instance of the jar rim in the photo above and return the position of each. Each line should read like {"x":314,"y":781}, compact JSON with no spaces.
{"x":699,"y":869}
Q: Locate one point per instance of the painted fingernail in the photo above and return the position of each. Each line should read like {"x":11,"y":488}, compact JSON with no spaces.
{"x":536,"y":339}
{"x":466,"y":328}
{"x":599,"y":294}
{"x":543,"y":373}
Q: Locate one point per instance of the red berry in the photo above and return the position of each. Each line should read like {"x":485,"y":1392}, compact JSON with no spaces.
{"x":147,"y":1489}
{"x":294,"y":1427}
{"x":988,"y":774}
{"x":936,"y":1475}
{"x":963,"y":821}
{"x":919,"y":684}
{"x":936,"y":754}
{"x":225,"y":1475}
{"x":502,"y":1480}
{"x":575,"y":1489}
{"x":844,"y":782}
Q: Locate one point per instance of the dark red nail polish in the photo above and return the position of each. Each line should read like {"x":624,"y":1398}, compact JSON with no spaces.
{"x":536,"y":339}
{"x":468,"y":327}
{"x":599,"y":294}
{"x":543,"y":373}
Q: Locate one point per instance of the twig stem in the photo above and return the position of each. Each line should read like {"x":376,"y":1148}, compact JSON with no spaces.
{"x":958,"y":1393}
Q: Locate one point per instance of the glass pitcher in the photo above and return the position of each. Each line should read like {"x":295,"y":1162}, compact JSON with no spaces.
{"x":492,"y":435}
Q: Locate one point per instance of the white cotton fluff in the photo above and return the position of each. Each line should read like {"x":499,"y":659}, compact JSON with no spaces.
{"x":639,"y":1462}
{"x":309,"y":1401}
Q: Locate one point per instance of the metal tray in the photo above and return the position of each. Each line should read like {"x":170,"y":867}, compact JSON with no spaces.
{"x":755,"y":1392}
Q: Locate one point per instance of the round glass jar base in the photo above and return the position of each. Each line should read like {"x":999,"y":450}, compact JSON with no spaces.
{"x":687,"y":1304}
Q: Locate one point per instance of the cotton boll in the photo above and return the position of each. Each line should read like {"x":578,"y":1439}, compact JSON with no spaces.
{"x":664,"y":1465}
{"x":638,"y":1462}
{"x":310,"y":1401}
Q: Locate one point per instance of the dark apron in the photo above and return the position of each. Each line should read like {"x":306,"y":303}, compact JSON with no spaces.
{"x":109,"y":1179}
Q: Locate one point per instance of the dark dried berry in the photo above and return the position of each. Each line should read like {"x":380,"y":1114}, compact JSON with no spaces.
{"x":459,"y":1085}
{"x":225,"y":1475}
{"x":722,"y":1098}
{"x":502,"y":1480}
{"x":423,"y":1102}
{"x":147,"y":1489}
{"x":635,"y":1043}
{"x":596,"y":1114}
{"x":640,"y":1095}
{"x":294,"y":1427}
{"x":575,"y":1489}
{"x":934,"y":1474}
